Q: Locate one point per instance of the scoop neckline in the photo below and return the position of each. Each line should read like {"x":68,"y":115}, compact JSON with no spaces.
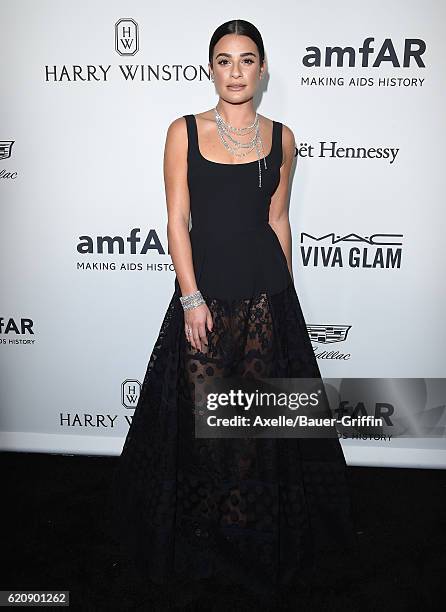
{"x":255,"y":161}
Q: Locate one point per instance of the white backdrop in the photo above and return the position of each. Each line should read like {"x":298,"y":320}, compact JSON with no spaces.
{"x":82,"y":138}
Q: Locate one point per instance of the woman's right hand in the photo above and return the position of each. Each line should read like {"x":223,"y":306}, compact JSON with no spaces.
{"x":196,"y":319}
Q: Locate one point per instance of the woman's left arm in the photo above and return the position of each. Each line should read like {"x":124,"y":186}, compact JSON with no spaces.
{"x":278,"y":211}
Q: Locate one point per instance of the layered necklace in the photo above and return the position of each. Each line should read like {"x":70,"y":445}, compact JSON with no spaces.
{"x":225,"y":130}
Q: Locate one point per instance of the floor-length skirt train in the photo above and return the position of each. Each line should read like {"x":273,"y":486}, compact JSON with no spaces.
{"x":261,"y":512}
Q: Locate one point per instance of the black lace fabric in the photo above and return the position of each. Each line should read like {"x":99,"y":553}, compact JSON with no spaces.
{"x":259,"y":512}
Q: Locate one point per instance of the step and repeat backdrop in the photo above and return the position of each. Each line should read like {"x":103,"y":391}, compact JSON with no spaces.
{"x":88,"y":91}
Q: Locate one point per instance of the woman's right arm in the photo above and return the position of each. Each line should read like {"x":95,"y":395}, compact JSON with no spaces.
{"x":178,"y":210}
{"x":178,"y":204}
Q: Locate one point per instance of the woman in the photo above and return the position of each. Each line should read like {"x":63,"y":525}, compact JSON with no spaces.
{"x":253,"y":511}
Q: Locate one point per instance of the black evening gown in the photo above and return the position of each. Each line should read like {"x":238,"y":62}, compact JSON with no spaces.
{"x":259,"y":512}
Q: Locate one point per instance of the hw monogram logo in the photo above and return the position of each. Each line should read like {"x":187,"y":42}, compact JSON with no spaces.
{"x":130,"y":390}
{"x":126,"y":36}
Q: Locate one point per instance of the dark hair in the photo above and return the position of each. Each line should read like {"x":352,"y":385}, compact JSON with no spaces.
{"x":241,"y":27}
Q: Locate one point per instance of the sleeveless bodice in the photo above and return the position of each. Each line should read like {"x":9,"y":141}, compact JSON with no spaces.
{"x":236,"y":253}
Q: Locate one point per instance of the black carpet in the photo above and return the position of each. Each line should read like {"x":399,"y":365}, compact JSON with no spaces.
{"x":56,"y":535}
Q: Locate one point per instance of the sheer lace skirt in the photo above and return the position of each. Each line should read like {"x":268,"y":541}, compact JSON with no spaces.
{"x":254,"y":511}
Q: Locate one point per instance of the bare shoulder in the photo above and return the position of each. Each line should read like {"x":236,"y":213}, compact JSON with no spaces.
{"x":177,"y":128}
{"x":288,"y":140}
{"x":176,"y":138}
{"x":288,"y":144}
{"x":287,"y":134}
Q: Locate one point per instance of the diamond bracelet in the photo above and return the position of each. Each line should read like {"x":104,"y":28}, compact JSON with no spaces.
{"x":192,"y":301}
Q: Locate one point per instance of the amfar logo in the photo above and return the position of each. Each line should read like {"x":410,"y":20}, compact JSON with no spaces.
{"x":374,"y":251}
{"x":410,"y":53}
{"x":126,"y":36}
{"x":117,"y":245}
{"x":5,"y":153}
{"x":101,"y":244}
{"x":22,"y":326}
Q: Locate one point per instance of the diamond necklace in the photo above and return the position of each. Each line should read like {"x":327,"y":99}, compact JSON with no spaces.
{"x":225,"y":129}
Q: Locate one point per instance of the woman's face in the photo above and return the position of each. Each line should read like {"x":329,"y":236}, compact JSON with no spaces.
{"x":236,"y":62}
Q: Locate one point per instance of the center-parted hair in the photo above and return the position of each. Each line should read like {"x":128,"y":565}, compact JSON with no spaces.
{"x":242,"y":28}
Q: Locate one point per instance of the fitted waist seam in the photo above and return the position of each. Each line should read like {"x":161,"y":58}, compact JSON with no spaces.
{"x":229,"y":230}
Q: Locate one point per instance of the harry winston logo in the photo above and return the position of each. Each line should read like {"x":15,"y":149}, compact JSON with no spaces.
{"x":130,"y":390}
{"x":126,"y":36}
